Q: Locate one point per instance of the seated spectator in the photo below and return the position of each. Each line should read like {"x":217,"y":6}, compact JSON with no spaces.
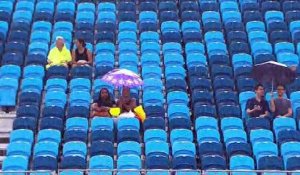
{"x":257,"y":106}
{"x":126,"y":103}
{"x":102,"y":106}
{"x":81,"y":56}
{"x":59,"y":55}
{"x":281,"y":106}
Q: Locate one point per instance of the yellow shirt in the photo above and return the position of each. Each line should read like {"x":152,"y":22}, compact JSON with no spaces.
{"x":57,"y":57}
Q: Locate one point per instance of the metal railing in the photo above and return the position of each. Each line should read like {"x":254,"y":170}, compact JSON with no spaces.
{"x":145,"y":171}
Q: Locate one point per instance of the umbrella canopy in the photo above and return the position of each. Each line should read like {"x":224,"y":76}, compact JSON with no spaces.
{"x":123,"y":77}
{"x":274,"y":73}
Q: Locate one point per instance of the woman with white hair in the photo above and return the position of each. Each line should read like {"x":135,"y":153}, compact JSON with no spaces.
{"x":59,"y":55}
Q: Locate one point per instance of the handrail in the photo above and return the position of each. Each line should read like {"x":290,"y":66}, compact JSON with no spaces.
{"x":201,"y":172}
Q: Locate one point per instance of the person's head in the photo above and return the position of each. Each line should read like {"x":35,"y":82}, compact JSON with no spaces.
{"x":80,"y":43}
{"x":126,"y":92}
{"x":259,"y":90}
{"x":280,"y":90}
{"x":104,"y":94}
{"x":60,"y":42}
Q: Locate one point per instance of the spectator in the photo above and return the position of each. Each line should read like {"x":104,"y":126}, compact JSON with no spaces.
{"x":126,"y":103}
{"x":257,"y":106}
{"x":102,"y":105}
{"x":59,"y":55}
{"x":281,"y":106}
{"x":81,"y":55}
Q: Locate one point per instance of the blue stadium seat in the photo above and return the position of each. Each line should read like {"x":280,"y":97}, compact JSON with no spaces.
{"x":56,"y":98}
{"x":129,"y":147}
{"x":9,"y":163}
{"x":148,"y":21}
{"x":258,"y":123}
{"x":8,"y":87}
{"x":184,"y":155}
{"x":231,"y":123}
{"x":53,"y":111}
{"x":281,"y":123}
{"x":270,"y":162}
{"x":80,"y":98}
{"x":18,"y":149}
{"x":65,"y":11}
{"x":21,"y":135}
{"x":11,"y":58}
{"x":51,"y":123}
{"x":154,"y":122}
{"x":213,"y":162}
{"x":262,"y":149}
{"x":149,"y":36}
{"x":10,"y":71}
{"x":206,"y":135}
{"x":46,"y":148}
{"x":274,"y":15}
{"x":178,"y":135}
{"x":102,"y":147}
{"x":129,"y":162}
{"x":241,"y":162}
{"x":203,"y":122}
{"x":106,"y":6}
{"x":49,"y":135}
{"x":100,"y":162}
{"x":255,"y":26}
{"x":75,"y":148}
{"x":42,"y":26}
{"x":150,"y":48}
{"x":179,"y":116}
{"x":177,"y":97}
{"x":32,"y":85}
{"x":102,"y":129}
{"x":57,"y":72}
{"x":234,"y":135}
{"x":155,"y":135}
{"x":210,"y":148}
{"x":287,"y":136}
{"x":239,"y":148}
{"x":44,"y":11}
{"x":157,"y":153}
{"x":44,"y":162}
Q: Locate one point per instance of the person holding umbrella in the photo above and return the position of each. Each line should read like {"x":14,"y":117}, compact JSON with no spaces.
{"x":126,"y":103}
{"x":258,"y":106}
{"x":281,"y":106}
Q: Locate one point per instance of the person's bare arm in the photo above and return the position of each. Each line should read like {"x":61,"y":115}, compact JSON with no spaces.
{"x":290,"y":113}
{"x":272,"y":105}
{"x":90,"y":57}
{"x":74,"y":63}
{"x":250,"y":111}
{"x":265,"y":114}
{"x":95,"y":107}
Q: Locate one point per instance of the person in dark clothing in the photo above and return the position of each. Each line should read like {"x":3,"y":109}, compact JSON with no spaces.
{"x":102,"y":105}
{"x":281,"y":106}
{"x":257,"y":106}
{"x":126,"y":103}
{"x":81,"y":55}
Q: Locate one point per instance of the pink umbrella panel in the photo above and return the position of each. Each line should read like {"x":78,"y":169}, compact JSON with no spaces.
{"x":123,"y":77}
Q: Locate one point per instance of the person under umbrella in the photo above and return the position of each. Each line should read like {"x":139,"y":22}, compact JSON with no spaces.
{"x":102,"y":105}
{"x":281,"y":106}
{"x":126,"y":103}
{"x":258,"y":106}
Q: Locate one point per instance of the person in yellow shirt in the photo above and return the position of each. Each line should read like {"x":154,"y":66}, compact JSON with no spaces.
{"x":59,"y":55}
